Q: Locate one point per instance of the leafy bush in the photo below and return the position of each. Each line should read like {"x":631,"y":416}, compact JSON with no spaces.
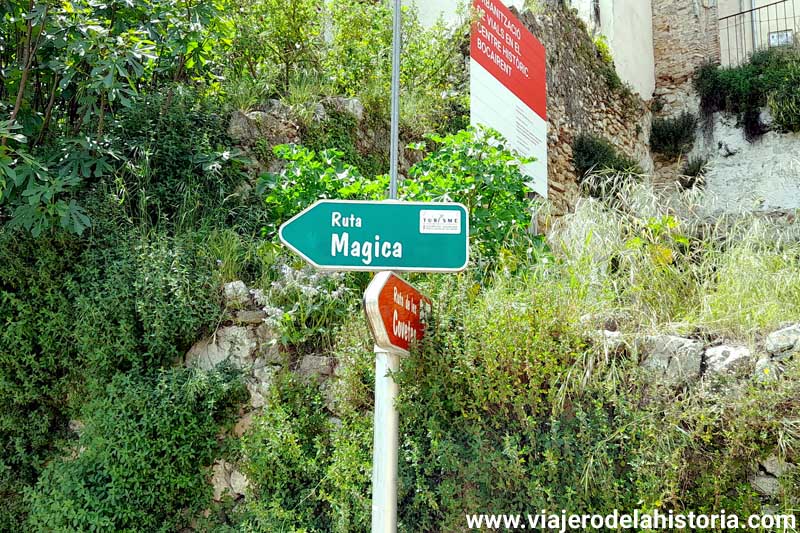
{"x":303,"y":305}
{"x":141,"y":462}
{"x":179,"y":162}
{"x":141,"y":304}
{"x":784,"y":100}
{"x":477,"y":169}
{"x":309,"y":177}
{"x":37,"y":358}
{"x":339,"y":131}
{"x":673,"y":136}
{"x":435,"y":82}
{"x":74,"y":316}
{"x":594,"y":155}
{"x":288,"y":451}
{"x":471,"y":167}
{"x":78,"y":64}
{"x":768,"y":78}
{"x":286,"y":34}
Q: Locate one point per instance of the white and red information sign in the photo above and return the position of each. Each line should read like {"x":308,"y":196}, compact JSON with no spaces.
{"x":396,"y":312}
{"x":508,"y":86}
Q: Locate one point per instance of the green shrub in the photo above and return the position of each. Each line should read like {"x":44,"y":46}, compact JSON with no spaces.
{"x":693,"y":171}
{"x":179,"y":162}
{"x":288,"y":451}
{"x":601,"y":168}
{"x":591,"y":152}
{"x":303,"y":305}
{"x":673,"y":136}
{"x":768,"y":78}
{"x":37,"y":358}
{"x":477,"y":169}
{"x":603,"y":49}
{"x":141,"y":303}
{"x":339,"y":131}
{"x":276,"y":36}
{"x":435,"y":82}
{"x":784,"y":99}
{"x":472,"y":167}
{"x":141,"y":463}
{"x":308,"y":177}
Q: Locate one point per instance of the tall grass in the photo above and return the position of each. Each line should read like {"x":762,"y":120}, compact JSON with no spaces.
{"x":657,"y":260}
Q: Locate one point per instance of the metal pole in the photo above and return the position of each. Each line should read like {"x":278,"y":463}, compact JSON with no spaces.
{"x":385,"y":444}
{"x":395,"y":133}
{"x":386,"y":419}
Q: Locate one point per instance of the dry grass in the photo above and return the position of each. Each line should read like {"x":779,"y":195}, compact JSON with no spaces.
{"x":660,"y":260}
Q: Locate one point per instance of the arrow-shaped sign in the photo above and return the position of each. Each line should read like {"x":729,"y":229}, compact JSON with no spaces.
{"x":397,"y":313}
{"x":375,"y":236}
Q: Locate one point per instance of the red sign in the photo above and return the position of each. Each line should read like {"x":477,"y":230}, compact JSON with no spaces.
{"x":503,"y":46}
{"x":396,"y":312}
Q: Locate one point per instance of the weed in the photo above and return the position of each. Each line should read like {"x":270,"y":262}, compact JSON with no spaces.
{"x":673,"y":136}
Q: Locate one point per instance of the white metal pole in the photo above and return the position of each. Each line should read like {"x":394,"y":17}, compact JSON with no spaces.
{"x":386,"y":419}
{"x":395,"y":132}
{"x":384,"y":459}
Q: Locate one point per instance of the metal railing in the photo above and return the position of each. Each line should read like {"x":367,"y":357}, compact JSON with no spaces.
{"x":769,"y":26}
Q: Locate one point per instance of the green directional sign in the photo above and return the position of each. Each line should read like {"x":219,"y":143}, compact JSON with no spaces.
{"x":375,"y":236}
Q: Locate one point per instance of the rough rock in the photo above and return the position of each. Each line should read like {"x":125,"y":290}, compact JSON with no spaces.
{"x":226,"y":479}
{"x":234,"y":343}
{"x":328,"y":391}
{"x":674,"y":358}
{"x":315,"y":366}
{"x":265,"y":375}
{"x":239,"y":483}
{"x":275,"y":107}
{"x":259,"y":384}
{"x":257,"y":400}
{"x":272,"y":122}
{"x":765,"y":485}
{"x":244,"y":424}
{"x":319,"y":114}
{"x":726,"y":358}
{"x":776,"y":466}
{"x":767,"y":370}
{"x":350,"y":105}
{"x":250,"y":317}
{"x":219,"y":479}
{"x":784,"y":340}
{"x":244,"y":126}
{"x":264,"y":333}
{"x":612,"y":342}
{"x":236,"y":294}
{"x":76,"y":426}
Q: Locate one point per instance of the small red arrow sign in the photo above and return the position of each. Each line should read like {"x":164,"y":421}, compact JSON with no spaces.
{"x":396,"y":312}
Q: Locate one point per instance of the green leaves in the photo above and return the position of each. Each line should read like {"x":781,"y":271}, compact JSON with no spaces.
{"x":471,"y":167}
{"x":141,"y":461}
{"x":308,"y":177}
{"x":474,"y":167}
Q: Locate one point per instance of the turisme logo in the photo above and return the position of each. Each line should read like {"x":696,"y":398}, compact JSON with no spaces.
{"x":439,"y":221}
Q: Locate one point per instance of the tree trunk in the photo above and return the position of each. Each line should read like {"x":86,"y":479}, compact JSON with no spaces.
{"x":26,"y":67}
{"x":49,"y":111}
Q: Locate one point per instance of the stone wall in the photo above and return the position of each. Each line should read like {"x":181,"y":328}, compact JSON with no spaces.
{"x":685,"y":36}
{"x":743,"y":177}
{"x":581,"y":100}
